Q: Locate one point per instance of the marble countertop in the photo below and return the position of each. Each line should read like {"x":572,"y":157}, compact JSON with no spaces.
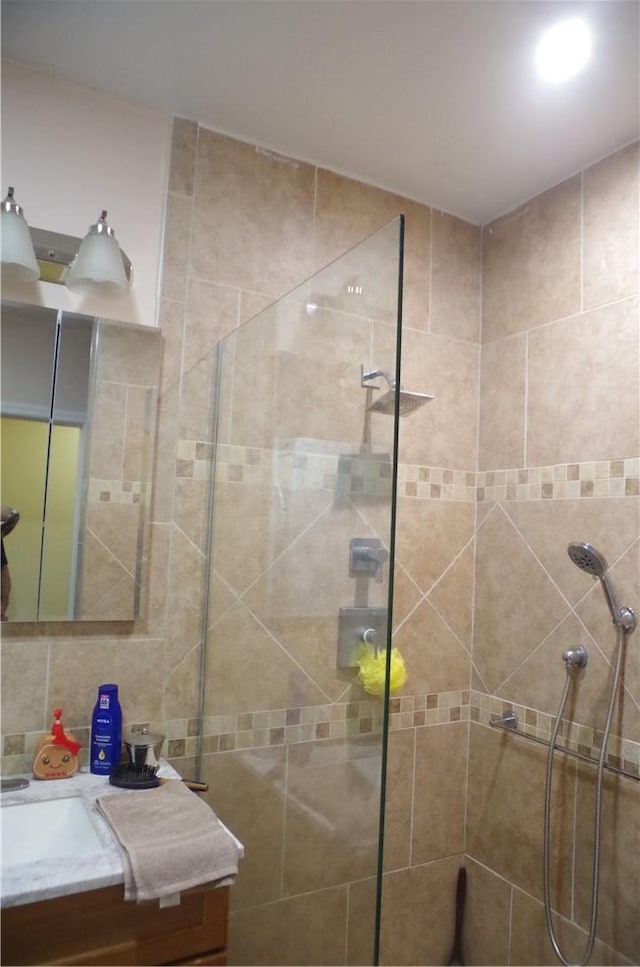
{"x":48,"y":878}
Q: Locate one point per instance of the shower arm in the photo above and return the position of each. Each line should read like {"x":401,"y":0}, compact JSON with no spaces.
{"x":366,"y":377}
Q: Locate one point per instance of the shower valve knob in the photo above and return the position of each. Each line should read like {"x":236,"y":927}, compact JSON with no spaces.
{"x":368,"y":635}
{"x":575,"y":657}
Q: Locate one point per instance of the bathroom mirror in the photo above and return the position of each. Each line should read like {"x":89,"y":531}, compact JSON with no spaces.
{"x":78,"y":407}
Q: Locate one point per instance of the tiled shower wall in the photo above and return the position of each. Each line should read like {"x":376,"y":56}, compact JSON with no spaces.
{"x":254,"y":224}
{"x":559,"y":409}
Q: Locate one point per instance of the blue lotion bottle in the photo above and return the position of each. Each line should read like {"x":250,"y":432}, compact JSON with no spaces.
{"x":106,"y":731}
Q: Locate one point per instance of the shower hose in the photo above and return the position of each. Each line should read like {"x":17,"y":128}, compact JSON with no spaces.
{"x":595,"y":877}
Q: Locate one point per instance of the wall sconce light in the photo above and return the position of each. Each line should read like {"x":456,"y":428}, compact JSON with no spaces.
{"x":98,"y":266}
{"x":94,"y":265}
{"x":18,"y":257}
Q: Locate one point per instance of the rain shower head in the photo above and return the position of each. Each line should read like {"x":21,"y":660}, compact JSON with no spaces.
{"x":408,"y":402}
{"x":588,"y":559}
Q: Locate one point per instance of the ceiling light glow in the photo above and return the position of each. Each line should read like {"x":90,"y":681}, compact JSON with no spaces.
{"x":563,"y":50}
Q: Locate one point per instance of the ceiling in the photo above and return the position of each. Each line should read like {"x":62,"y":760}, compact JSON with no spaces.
{"x":434,"y":99}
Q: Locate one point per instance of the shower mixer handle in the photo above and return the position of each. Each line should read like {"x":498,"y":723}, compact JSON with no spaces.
{"x":366,"y":557}
{"x":368,"y":636}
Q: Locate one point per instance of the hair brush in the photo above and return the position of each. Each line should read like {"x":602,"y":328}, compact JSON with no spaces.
{"x":128,"y":775}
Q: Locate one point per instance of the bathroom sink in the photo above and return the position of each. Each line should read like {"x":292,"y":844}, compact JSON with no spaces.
{"x":48,"y":829}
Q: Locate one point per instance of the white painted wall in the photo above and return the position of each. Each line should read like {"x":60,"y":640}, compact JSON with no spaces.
{"x":70,"y":151}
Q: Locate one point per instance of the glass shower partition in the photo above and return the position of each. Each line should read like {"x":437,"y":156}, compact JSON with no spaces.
{"x":302,"y":536}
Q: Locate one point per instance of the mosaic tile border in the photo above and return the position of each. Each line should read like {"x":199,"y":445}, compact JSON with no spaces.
{"x":116,"y":491}
{"x":602,"y":478}
{"x":319,"y":465}
{"x":286,"y":726}
{"x":587,"y":741}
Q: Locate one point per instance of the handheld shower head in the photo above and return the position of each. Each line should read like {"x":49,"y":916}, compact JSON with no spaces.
{"x":588,"y":559}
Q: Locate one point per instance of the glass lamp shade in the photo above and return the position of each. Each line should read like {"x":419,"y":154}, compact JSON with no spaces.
{"x":18,"y":257}
{"x":98,"y":268}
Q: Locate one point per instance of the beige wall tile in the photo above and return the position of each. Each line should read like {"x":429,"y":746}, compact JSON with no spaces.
{"x":176,"y":247}
{"x":197,"y":396}
{"x":439,"y":792}
{"x":444,"y":432}
{"x":530,"y":943}
{"x":502,"y":403}
{"x":361,"y":922}
{"x":24,"y":686}
{"x":517,"y":605}
{"x":549,"y":526}
{"x":348,"y":211}
{"x":106,"y":581}
{"x":611,"y":228}
{"x":418,"y":912}
{"x":221,"y":597}
{"x":583,"y":393}
{"x":531,"y":263}
{"x":113,"y":525}
{"x":306,"y":930}
{"x":254,"y":525}
{"x":107,"y":448}
{"x":171,"y":322}
{"x":539,"y":680}
{"x":406,"y":595}
{"x":129,"y":355}
{"x":182,"y":683}
{"x":184,"y":137}
{"x":399,"y":804}
{"x":253,"y":216}
{"x":237,"y":643}
{"x":299,"y":602}
{"x":212,"y":313}
{"x":618,"y":922}
{"x":316,"y":374}
{"x":138,"y":437}
{"x":487,"y":916}
{"x":191,"y":509}
{"x":157,"y":580}
{"x":455,"y":277}
{"x":164,"y":463}
{"x":251,"y":303}
{"x":434,"y":658}
{"x":305,"y":379}
{"x":331,"y":825}
{"x":430,"y":535}
{"x":452,"y":596}
{"x":187,"y":573}
{"x":246,"y":792}
{"x":505,"y":812}
{"x":124,"y":661}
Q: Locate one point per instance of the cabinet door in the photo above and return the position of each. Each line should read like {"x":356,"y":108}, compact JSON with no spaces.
{"x":98,"y":928}
{"x":212,"y":959}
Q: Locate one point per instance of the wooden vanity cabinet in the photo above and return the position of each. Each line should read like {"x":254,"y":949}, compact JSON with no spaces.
{"x":99,"y":928}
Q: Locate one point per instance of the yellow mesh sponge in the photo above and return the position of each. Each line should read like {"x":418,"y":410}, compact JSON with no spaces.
{"x":372,"y":670}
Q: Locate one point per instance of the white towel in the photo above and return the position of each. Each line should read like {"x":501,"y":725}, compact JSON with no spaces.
{"x":170,"y":840}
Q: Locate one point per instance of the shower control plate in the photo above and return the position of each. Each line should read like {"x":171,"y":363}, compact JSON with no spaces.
{"x":356,"y":626}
